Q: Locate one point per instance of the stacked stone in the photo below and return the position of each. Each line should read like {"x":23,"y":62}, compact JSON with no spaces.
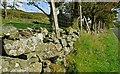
{"x":38,"y":46}
{"x":19,"y":65}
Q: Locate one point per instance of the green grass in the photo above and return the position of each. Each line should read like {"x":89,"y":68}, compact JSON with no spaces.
{"x":25,"y":25}
{"x":23,"y":19}
{"x":96,"y":53}
{"x":93,"y":54}
{"x":21,"y":16}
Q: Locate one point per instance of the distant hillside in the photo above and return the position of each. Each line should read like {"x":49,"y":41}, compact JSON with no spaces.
{"x":25,"y":16}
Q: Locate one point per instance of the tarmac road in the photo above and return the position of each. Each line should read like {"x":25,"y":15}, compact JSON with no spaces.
{"x":117,"y":33}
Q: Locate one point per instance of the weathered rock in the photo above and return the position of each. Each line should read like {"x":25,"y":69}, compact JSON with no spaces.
{"x":18,"y":65}
{"x":64,"y":61}
{"x":76,"y":32}
{"x":57,"y":68}
{"x":8,"y":29}
{"x":11,"y":34}
{"x":47,"y":39}
{"x":64,"y":36}
{"x":13,"y":52}
{"x":40,"y":36}
{"x":10,"y":48}
{"x":25,"y":34}
{"x":61,"y":54}
{"x":58,"y":47}
{"x":69,"y":38}
{"x":74,"y":39}
{"x":50,"y":40}
{"x":59,"y":60}
{"x":46,"y":64}
{"x":35,"y":67}
{"x":18,"y":70}
{"x":71,"y":48}
{"x":69,"y":31}
{"x":63,"y":42}
{"x":41,"y":47}
{"x":30,"y":29}
{"x":70,"y":44}
{"x":21,"y":46}
{"x":44,"y":31}
{"x":53,"y":35}
{"x":47,"y":50}
{"x":61,"y":30}
{"x":30,"y":55}
{"x":32,"y":60}
{"x":47,"y":69}
{"x":56,"y":41}
{"x":0,"y":69}
{"x":49,"y":54}
{"x":66,"y":50}
{"x":13,"y":65}
{"x":75,"y":36}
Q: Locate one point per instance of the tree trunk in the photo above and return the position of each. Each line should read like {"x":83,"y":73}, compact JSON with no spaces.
{"x":75,"y":23}
{"x":81,"y":16}
{"x":75,"y":15}
{"x":13,"y":9}
{"x":5,"y":8}
{"x":88,"y":28}
{"x":52,"y":16}
{"x":51,"y":19}
{"x":99,"y":26}
{"x":52,"y":28}
{"x":92,"y":23}
{"x":95,"y":28}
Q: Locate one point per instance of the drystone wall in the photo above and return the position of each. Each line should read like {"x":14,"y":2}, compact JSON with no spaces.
{"x":35,"y":50}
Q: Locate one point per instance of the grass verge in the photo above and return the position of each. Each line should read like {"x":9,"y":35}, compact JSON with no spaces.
{"x":95,"y":53}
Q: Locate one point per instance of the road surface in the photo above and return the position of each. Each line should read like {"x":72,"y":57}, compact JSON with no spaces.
{"x":117,"y":33}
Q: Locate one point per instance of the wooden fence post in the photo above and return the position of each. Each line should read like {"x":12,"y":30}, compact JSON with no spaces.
{"x":55,"y":18}
{"x":87,"y":24}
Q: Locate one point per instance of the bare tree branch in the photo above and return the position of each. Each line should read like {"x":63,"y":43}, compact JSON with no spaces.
{"x":40,"y":9}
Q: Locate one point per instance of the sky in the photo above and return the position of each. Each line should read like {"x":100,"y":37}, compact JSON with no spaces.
{"x":31,"y":8}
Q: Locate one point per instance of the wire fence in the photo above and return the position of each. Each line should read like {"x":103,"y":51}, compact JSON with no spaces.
{"x":65,"y":20}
